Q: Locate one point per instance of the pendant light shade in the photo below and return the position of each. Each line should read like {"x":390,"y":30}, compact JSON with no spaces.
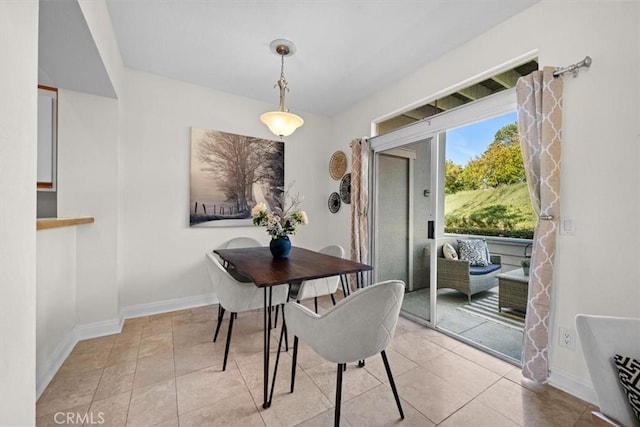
{"x":282,"y":122}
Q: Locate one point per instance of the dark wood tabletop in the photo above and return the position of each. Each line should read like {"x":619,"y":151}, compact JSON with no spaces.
{"x":263,"y":269}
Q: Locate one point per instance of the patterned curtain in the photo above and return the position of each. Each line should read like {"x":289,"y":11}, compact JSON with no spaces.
{"x":539,"y":98}
{"x":360,"y":200}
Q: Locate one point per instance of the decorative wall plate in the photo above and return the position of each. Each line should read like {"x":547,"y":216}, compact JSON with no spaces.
{"x":334,"y":202}
{"x":337,"y":165}
{"x":345,"y":188}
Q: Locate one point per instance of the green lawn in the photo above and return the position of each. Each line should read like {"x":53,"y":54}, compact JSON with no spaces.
{"x":505,"y":210}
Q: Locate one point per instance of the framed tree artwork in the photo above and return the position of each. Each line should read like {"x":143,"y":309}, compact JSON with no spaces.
{"x":230,"y":174}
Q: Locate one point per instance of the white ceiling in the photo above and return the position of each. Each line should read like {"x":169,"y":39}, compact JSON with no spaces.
{"x":67,"y":55}
{"x":346,"y":49}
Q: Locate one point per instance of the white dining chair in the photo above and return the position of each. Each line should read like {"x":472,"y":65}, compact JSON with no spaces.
{"x":236,"y":297}
{"x":239,"y":242}
{"x":324,"y":286}
{"x":234,"y":243}
{"x":602,"y":337}
{"x":356,"y":328}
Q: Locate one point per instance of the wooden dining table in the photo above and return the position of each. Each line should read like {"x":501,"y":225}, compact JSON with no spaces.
{"x":258,"y":265}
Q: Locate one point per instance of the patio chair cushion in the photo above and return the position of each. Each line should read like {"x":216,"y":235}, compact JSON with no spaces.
{"x":629,"y":375}
{"x":449,"y":251}
{"x":475,"y":251}
{"x":477,"y":270}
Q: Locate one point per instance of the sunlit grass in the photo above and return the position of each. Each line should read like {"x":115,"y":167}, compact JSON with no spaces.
{"x":506,"y":207}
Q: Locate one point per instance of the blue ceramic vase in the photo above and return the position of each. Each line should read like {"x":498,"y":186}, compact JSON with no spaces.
{"x":280,"y":247}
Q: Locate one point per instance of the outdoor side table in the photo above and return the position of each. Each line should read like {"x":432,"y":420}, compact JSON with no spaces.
{"x":513,"y":290}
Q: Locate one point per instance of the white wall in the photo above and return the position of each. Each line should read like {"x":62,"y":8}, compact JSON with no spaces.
{"x":596,"y":272}
{"x":55,"y":301}
{"x":77,"y":282}
{"x":162,"y":257}
{"x":18,"y":141}
{"x":87,"y":186}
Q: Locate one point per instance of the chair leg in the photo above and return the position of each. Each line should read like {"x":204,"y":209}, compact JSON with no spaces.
{"x":338,"y":394}
{"x":275,"y":322}
{"x":345,"y":290}
{"x":392,"y":382}
{"x":333,"y":299}
{"x":294,"y":362}
{"x":220,"y":316}
{"x":226,"y":347}
{"x":315,"y":303}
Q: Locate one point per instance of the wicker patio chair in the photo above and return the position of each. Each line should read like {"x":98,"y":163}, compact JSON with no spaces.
{"x":461,"y":276}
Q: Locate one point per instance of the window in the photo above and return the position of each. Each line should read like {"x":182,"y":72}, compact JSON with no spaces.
{"x":485,"y":192}
{"x":485,"y":189}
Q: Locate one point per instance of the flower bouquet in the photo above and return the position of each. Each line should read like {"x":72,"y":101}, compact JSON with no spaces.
{"x":280,"y":223}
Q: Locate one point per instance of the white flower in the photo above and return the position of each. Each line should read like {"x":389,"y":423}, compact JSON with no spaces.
{"x":284,"y":219}
{"x":304,"y":220}
{"x":258,"y":209}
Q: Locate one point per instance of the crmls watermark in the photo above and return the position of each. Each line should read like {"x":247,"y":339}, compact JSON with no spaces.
{"x":78,"y":418}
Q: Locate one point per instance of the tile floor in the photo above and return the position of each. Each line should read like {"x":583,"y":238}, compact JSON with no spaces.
{"x":163,"y":370}
{"x":502,"y":339}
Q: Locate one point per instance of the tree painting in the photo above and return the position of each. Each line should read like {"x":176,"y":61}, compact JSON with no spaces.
{"x":230,"y":174}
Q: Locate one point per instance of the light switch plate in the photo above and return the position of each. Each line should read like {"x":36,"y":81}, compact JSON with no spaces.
{"x":568,"y":226}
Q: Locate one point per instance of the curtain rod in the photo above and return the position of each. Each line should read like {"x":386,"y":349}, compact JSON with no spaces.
{"x":586,"y":62}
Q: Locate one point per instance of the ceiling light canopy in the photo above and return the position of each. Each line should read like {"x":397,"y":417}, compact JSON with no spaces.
{"x":282,"y":122}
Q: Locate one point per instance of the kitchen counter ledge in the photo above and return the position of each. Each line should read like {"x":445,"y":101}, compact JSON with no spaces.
{"x":44,"y":223}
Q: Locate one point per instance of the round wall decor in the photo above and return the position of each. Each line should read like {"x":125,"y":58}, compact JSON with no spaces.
{"x":334,"y":202}
{"x":345,"y":188}
{"x":337,"y":165}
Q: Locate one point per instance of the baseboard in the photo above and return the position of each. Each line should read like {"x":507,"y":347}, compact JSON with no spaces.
{"x":98,"y":329}
{"x":151,"y":308}
{"x":53,"y":363}
{"x":110,"y":327}
{"x":573,"y":385}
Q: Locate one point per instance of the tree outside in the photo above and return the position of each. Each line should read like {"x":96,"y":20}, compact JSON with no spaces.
{"x":489,"y":195}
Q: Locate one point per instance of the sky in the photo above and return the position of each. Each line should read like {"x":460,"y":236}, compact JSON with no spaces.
{"x":467,"y":142}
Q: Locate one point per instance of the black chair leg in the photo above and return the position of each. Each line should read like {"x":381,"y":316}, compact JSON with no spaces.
{"x":338,"y":394}
{"x":220,"y":316}
{"x":315,"y":303}
{"x":345,"y":290}
{"x":294,"y":362}
{"x":275,"y":322}
{"x":333,"y":299}
{"x":392,"y":383}
{"x":226,"y":347}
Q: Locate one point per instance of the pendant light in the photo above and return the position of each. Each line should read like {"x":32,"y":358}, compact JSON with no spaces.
{"x":282,"y":122}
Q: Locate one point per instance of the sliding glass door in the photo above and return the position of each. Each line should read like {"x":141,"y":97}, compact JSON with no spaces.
{"x":404,"y":203}
{"x":413,"y":167}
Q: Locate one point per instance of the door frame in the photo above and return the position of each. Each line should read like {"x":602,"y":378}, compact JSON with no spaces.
{"x":433,"y":128}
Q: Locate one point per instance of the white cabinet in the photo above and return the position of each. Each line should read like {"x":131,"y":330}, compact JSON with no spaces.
{"x":47,"y":138}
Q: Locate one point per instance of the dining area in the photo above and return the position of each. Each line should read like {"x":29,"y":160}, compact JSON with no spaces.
{"x":361,"y":325}
{"x":167,"y":369}
{"x":294,"y":336}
